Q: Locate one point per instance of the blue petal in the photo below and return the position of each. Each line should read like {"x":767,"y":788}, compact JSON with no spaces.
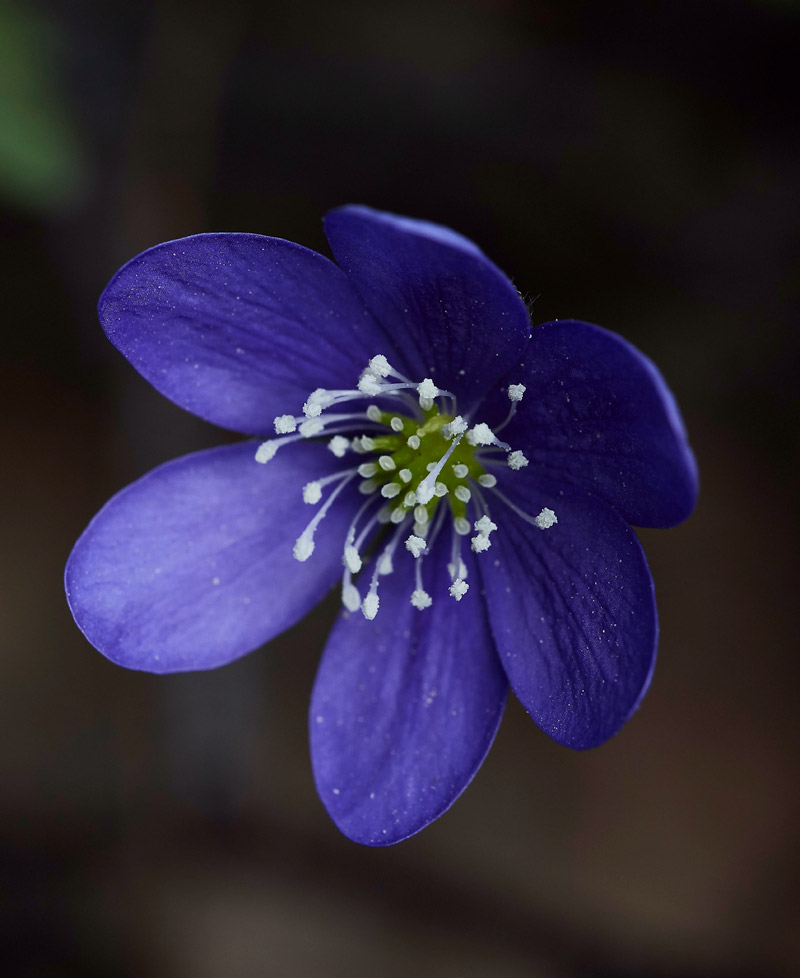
{"x":454,"y":316}
{"x":192,"y":566}
{"x":598,"y":414}
{"x":238,"y":328}
{"x":405,"y":707}
{"x":573,"y":613}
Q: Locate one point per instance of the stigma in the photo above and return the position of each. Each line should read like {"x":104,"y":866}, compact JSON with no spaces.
{"x":428,"y":476}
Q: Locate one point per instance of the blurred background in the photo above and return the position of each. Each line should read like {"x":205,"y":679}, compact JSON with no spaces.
{"x":630,"y":163}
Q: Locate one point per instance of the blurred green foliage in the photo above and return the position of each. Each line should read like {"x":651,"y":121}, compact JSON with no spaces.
{"x":42,"y":163}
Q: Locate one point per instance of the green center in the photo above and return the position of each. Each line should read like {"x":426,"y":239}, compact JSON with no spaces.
{"x":425,"y":450}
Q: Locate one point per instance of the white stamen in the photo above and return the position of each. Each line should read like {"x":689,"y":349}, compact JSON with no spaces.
{"x":398,"y":514}
{"x":421,"y":514}
{"x":516,"y":461}
{"x":462,"y":493}
{"x":387,"y":463}
{"x":410,"y":499}
{"x":304,"y":546}
{"x":285,"y":424}
{"x":484,"y":526}
{"x":390,"y":490}
{"x":369,"y":606}
{"x":416,"y":545}
{"x":487,"y":480}
{"x":515,"y":392}
{"x":440,"y":489}
{"x":363,"y":444}
{"x":461,"y":470}
{"x":413,"y":442}
{"x":421,"y":599}
{"x":458,"y":588}
{"x":396,"y":424}
{"x":461,"y":526}
{"x":369,"y":385}
{"x":426,"y":488}
{"x":385,"y":565}
{"x":457,"y":569}
{"x":338,"y":445}
{"x":352,"y":559}
{"x":351,"y":599}
{"x":481,"y":434}
{"x":379,"y":366}
{"x":374,"y":412}
{"x":427,"y":391}
{"x":316,"y":401}
{"x":266,"y":451}
{"x":312,"y":427}
{"x":367,"y":487}
{"x":545,"y":519}
{"x":312,"y":493}
{"x":455,"y":427}
{"x":367,"y":469}
{"x":405,"y":475}
{"x":480,"y":543}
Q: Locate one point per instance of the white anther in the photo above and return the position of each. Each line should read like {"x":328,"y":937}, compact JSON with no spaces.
{"x":351,"y":599}
{"x":480,"y":543}
{"x":461,"y":526}
{"x":311,"y":427}
{"x":396,"y":424}
{"x":427,"y":391}
{"x":458,"y":588}
{"x":369,"y":384}
{"x":420,"y":514}
{"x":316,"y":401}
{"x":338,"y":445}
{"x":440,"y":489}
{"x":312,"y":493}
{"x":367,"y":469}
{"x":285,"y":424}
{"x":481,"y":434}
{"x":367,"y":444}
{"x":455,"y":427}
{"x":367,"y":487}
{"x":379,"y":366}
{"x":398,"y":514}
{"x":387,"y":463}
{"x":352,"y":559}
{"x":304,"y":546}
{"x":515,"y":392}
{"x":266,"y":451}
{"x":413,"y":442}
{"x":461,"y":470}
{"x":545,"y":519}
{"x":374,"y":412}
{"x":421,"y":599}
{"x":369,"y":606}
{"x":385,"y":565}
{"x":462,"y":493}
{"x":430,"y":466}
{"x":487,"y":480}
{"x":516,"y":460}
{"x":410,"y":499}
{"x":484,"y":526}
{"x":416,"y":545}
{"x":390,"y":490}
{"x":457,"y":570}
{"x":405,"y":475}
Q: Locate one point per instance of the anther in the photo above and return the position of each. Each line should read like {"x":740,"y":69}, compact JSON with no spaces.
{"x":285,"y":424}
{"x":462,"y":493}
{"x":487,"y":480}
{"x":338,"y":445}
{"x":427,"y":391}
{"x":416,"y":545}
{"x":405,"y":475}
{"x":312,"y":427}
{"x":374,"y":412}
{"x":461,"y":470}
{"x":351,"y":599}
{"x":352,"y":559}
{"x":379,"y":366}
{"x":312,"y":493}
{"x":421,"y":514}
{"x":367,"y":469}
{"x":369,"y":606}
{"x":410,"y":499}
{"x":387,"y":463}
{"x":481,"y":434}
{"x":455,"y":427}
{"x":421,"y":599}
{"x":413,"y":442}
{"x":516,"y":461}
{"x":390,"y":490}
{"x":545,"y":519}
{"x":458,"y":588}
{"x":369,"y":384}
{"x":396,"y":424}
{"x":515,"y":392}
{"x":440,"y":489}
{"x":461,"y":526}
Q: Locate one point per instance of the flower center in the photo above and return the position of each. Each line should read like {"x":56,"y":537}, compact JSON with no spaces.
{"x":419,"y":455}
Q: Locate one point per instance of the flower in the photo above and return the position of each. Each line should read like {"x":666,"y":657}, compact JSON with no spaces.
{"x":470,"y":480}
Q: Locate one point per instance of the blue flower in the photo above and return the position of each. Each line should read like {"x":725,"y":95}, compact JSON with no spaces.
{"x":469,"y":480}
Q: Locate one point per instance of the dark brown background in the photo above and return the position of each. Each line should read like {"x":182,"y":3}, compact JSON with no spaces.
{"x":634,"y":164}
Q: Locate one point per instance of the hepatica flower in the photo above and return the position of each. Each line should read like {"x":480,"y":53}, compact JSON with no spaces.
{"x":467,"y":483}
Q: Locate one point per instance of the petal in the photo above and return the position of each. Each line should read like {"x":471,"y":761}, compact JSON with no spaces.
{"x":192,"y":566}
{"x":597,"y":413}
{"x":404,"y":707}
{"x":573,"y":614}
{"x":454,"y":316}
{"x":238,"y":328}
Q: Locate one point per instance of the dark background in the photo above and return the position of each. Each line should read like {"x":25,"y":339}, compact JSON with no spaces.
{"x":630,"y":163}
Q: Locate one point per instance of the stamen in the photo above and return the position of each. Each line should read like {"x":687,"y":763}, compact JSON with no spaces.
{"x":413,"y":442}
{"x":462,"y":493}
{"x":515,"y":392}
{"x":405,"y":475}
{"x":304,"y":546}
{"x":543,"y":521}
{"x":461,"y":470}
{"x":428,"y":391}
{"x":351,"y":599}
{"x":458,"y":588}
{"x":370,"y":604}
{"x":390,"y":490}
{"x":416,"y":546}
{"x":455,"y":427}
{"x":380,"y":366}
{"x":387,"y":463}
{"x":516,"y":461}
{"x":285,"y":424}
{"x":487,"y":480}
{"x":421,"y":599}
{"x":396,"y":424}
{"x":338,"y":445}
